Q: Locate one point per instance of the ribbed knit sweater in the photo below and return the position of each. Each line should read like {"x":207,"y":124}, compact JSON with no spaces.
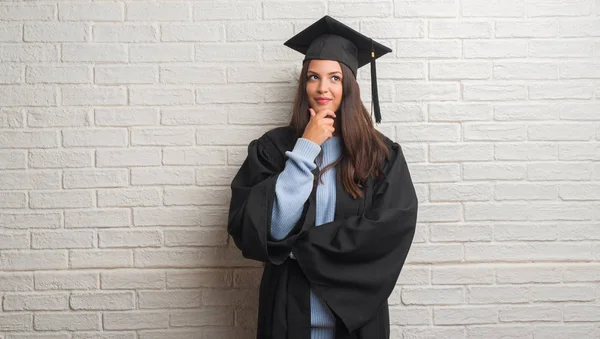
{"x":292,"y":189}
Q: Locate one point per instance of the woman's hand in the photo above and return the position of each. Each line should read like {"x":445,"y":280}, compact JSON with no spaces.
{"x":320,"y":127}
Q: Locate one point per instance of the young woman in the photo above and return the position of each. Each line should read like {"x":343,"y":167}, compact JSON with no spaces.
{"x":327,"y":203}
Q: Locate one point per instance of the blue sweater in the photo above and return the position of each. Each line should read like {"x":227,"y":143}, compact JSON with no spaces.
{"x":292,"y":189}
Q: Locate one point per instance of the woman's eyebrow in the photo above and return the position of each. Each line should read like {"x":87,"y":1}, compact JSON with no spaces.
{"x":330,"y":73}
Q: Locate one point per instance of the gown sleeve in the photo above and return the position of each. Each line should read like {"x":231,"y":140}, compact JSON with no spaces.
{"x":353,"y":263}
{"x":293,"y":187}
{"x":251,"y":205}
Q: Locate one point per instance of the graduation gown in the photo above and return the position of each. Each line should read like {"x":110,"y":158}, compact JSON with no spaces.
{"x":352,"y":263}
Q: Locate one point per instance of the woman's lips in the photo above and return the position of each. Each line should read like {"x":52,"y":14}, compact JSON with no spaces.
{"x":323,"y":101}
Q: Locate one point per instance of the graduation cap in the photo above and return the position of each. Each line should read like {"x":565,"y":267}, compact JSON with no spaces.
{"x":329,"y":39}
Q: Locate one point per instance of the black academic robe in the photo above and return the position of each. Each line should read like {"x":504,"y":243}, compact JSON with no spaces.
{"x":352,"y":263}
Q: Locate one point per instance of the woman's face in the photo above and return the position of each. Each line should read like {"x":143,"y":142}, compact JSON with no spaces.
{"x":324,"y":85}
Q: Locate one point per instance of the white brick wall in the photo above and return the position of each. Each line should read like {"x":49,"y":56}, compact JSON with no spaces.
{"x":123,"y":122}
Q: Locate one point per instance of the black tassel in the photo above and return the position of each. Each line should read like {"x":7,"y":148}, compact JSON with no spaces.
{"x":374,"y":92}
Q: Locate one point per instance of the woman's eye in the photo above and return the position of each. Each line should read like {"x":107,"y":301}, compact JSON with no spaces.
{"x":336,"y":78}
{"x":312,"y":77}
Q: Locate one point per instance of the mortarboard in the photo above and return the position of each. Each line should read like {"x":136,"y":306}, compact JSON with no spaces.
{"x":329,"y":39}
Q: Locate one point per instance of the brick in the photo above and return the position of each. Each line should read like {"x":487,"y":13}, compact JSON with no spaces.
{"x":135,"y":320}
{"x":439,"y":212}
{"x":11,"y":32}
{"x":42,"y":335}
{"x":561,"y":132}
{"x":195,"y":238}
{"x":224,"y":94}
{"x":525,"y":70}
{"x":435,"y":253}
{"x":432,"y":332}
{"x":108,"y":137}
{"x":170,"y":52}
{"x":230,"y":297}
{"x":58,"y":117}
{"x":115,"y":217}
{"x":20,"y":12}
{"x":216,"y":278}
{"x":203,"y":32}
{"x":14,"y":240}
{"x":226,"y":10}
{"x":132,"y":279}
{"x":459,"y":112}
{"x":173,"y":216}
{"x":29,"y":180}
{"x":180,"y":136}
{"x":549,"y":171}
{"x":579,"y":191}
{"x":94,"y":53}
{"x":29,"y":220}
{"x":191,"y":116}
{"x":56,"y":32}
{"x":526,"y":151}
{"x":120,"y":238}
{"x":460,"y":232}
{"x":125,"y":33}
{"x":294,"y":10}
{"x":26,"y":139}
{"x":525,"y":191}
{"x":128,"y":157}
{"x":498,"y":294}
{"x":102,"y":300}
{"x":562,"y":293}
{"x":495,"y":132}
{"x":192,"y":75}
{"x":162,"y":96}
{"x":465,"y":315}
{"x":357,"y":9}
{"x":126,"y":116}
{"x":13,"y":199}
{"x":115,"y":75}
{"x":579,"y":70}
{"x":66,"y":280}
{"x":494,"y":211}
{"x":432,"y":91}
{"x":491,"y":91}
{"x":61,"y":199}
{"x":129,"y":197}
{"x":493,"y":171}
{"x":66,"y":321}
{"x":170,"y":299}
{"x":430,"y":132}
{"x":463,"y":274}
{"x":516,"y":252}
{"x":27,"y":96}
{"x":499,"y":331}
{"x":172,"y":258}
{"x":105,"y":11}
{"x":36,"y":302}
{"x":199,"y":195}
{"x":566,"y":211}
{"x":568,"y":8}
{"x":62,"y":239}
{"x":87,"y":178}
{"x":449,"y":70}
{"x":60,"y":158}
{"x":16,"y":322}
{"x":10,"y":74}
{"x":147,"y":11}
{"x":530,"y":313}
{"x":33,"y":260}
{"x":526,"y":29}
{"x":207,"y":136}
{"x":464,"y":29}
{"x":582,"y":331}
{"x":208,"y":316}
{"x":512,"y":112}
{"x":548,"y":48}
{"x":511,"y":8}
{"x":94,"y":96}
{"x":196,"y":156}
{"x":461,"y":152}
{"x":427,"y":173}
{"x":235,"y":52}
{"x":405,"y":315}
{"x":561,"y":90}
{"x":12,"y":159}
{"x":257,"y":31}
{"x":581,"y":273}
{"x":433,"y":296}
{"x":100,"y":258}
{"x":495,"y":48}
{"x":28,"y":53}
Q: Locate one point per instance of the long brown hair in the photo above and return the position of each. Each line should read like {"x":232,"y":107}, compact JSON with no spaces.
{"x":363,"y":151}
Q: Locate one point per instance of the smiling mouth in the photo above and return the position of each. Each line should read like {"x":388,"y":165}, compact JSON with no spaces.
{"x":323,"y":101}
